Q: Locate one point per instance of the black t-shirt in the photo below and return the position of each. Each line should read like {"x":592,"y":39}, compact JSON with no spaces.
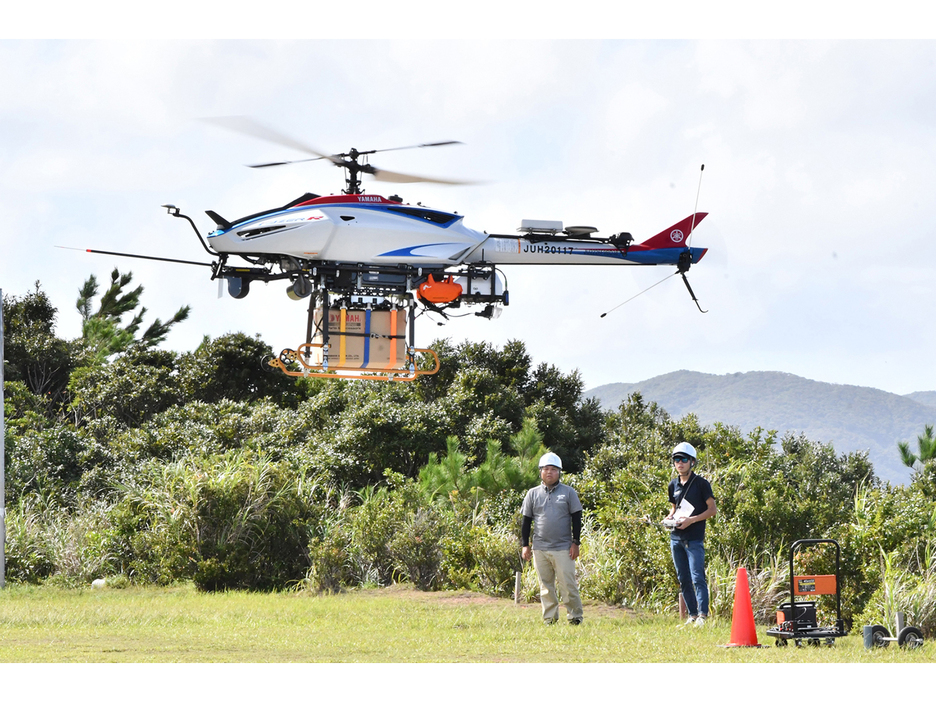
{"x":697,"y":492}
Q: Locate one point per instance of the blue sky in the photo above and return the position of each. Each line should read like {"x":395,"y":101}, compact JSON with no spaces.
{"x":820,"y":161}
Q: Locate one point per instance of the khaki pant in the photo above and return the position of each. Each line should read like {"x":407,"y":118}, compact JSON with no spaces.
{"x":552,"y":568}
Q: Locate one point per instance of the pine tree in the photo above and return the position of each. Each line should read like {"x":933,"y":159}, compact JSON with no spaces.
{"x":923,"y":463}
{"x":102,"y":331}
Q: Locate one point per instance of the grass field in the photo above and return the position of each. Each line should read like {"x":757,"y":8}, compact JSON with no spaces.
{"x":393,"y":625}
{"x":615,"y":652}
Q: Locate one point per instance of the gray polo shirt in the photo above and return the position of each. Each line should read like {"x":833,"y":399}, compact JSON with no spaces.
{"x":551,"y":510}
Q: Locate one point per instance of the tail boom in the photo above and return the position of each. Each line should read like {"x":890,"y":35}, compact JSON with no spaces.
{"x":663,"y":249}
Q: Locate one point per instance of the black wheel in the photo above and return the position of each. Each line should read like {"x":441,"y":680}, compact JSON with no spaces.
{"x":910,"y":637}
{"x":813,"y":642}
{"x":830,"y":641}
{"x":798,"y":643}
{"x":879,"y":636}
{"x":780,"y":642}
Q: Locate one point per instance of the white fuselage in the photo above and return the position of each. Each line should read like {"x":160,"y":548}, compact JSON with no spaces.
{"x":372,"y":230}
{"x":368,"y":230}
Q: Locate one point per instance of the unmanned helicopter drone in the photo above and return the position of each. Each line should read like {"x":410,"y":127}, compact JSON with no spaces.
{"x":367,"y":263}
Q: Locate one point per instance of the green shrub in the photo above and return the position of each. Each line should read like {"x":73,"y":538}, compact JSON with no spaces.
{"x":48,"y":461}
{"x":233,"y":521}
{"x":331,"y":568}
{"x":135,"y":386}
{"x":481,"y":558}
{"x":231,"y":368}
{"x":416,"y":547}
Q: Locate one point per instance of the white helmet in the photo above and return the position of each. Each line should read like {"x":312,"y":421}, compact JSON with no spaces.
{"x":550,"y":459}
{"x":686,"y":449}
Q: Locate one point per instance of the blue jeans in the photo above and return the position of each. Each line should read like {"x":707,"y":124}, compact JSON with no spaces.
{"x":689,"y":559}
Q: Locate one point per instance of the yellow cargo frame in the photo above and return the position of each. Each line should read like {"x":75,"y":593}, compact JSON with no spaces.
{"x":394,"y":370}
{"x":340,"y":372}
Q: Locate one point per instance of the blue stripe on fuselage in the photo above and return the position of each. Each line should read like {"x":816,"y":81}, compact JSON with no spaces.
{"x":410,"y":251}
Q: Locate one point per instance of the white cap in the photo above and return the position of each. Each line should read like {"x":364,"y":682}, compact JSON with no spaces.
{"x":685,"y":448}
{"x":550,"y":459}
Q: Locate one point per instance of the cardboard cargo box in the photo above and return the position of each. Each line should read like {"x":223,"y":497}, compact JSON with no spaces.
{"x":363,"y":344}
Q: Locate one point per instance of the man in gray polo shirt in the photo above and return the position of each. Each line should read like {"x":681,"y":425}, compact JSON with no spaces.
{"x":553,"y":513}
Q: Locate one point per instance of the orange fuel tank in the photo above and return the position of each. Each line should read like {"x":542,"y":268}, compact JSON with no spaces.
{"x":439,"y":291}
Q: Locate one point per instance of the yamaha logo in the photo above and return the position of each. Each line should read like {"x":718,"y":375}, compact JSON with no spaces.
{"x":676,"y":236}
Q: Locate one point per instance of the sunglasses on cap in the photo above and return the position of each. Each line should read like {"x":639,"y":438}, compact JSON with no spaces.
{"x":681,"y":459}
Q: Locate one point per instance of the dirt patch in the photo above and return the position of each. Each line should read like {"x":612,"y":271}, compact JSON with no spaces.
{"x":462,"y":598}
{"x":451,"y":597}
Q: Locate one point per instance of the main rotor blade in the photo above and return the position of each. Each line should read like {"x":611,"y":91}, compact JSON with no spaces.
{"x":253,"y":128}
{"x":283,"y":163}
{"x":393,"y":177}
{"x":414,"y":146}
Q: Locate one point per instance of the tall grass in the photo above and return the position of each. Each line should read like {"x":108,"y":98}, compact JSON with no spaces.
{"x":628,"y":566}
{"x":911,"y":594}
{"x":768,"y":583}
{"x":47,"y":540}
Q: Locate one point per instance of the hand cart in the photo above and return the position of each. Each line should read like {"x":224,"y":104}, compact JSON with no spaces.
{"x":878,"y":636}
{"x":797,"y":619}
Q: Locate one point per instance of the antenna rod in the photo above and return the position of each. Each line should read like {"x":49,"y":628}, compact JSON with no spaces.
{"x":130,"y":255}
{"x":696,"y":208}
{"x":605,"y":314}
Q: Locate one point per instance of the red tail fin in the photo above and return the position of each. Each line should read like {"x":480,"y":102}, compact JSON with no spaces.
{"x":675,"y":236}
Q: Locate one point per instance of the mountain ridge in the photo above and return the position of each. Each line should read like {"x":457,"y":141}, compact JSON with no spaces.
{"x":851,"y":417}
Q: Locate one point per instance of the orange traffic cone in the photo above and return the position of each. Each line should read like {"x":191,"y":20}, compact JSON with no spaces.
{"x":743,"y":631}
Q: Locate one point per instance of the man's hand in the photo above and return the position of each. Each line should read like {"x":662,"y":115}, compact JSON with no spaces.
{"x":574,"y":551}
{"x":526,"y":554}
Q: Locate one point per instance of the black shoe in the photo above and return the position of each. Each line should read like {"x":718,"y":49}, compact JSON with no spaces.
{"x":575,"y":622}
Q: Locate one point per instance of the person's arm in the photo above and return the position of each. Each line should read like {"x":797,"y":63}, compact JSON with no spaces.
{"x":576,"y":527}
{"x":525,"y":529}
{"x":576,"y":534}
